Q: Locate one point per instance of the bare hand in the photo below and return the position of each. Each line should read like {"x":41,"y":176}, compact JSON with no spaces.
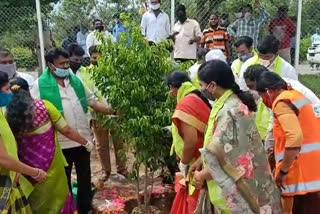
{"x":198,"y":180}
{"x":196,"y":166}
{"x":279,"y":181}
{"x":191,"y":41}
{"x":40,"y":176}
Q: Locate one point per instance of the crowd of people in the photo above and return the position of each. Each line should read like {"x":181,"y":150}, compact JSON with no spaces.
{"x":244,"y":130}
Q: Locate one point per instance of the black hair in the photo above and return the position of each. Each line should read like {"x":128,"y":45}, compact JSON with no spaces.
{"x":97,"y":20}
{"x":94,"y":49}
{"x":116,"y":16}
{"x":270,"y":80}
{"x":202,"y":52}
{"x":269,"y":44}
{"x":5,"y":53}
{"x":254,"y":71}
{"x":244,"y":40}
{"x":4,"y":79}
{"x":221,"y":73}
{"x":75,"y":50}
{"x":20,"y":109}
{"x":181,"y":7}
{"x":54,"y":53}
{"x":177,"y":78}
{"x":283,"y":8}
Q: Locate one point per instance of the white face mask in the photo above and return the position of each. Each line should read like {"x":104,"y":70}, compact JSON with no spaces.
{"x":155,"y":6}
{"x":247,"y":15}
{"x":10,"y":69}
{"x":264,"y":62}
{"x":238,"y":15}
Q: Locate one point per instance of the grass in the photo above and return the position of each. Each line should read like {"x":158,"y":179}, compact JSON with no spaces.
{"x":312,"y":82}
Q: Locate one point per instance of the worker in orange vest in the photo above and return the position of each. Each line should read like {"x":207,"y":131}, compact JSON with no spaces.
{"x":297,"y":144}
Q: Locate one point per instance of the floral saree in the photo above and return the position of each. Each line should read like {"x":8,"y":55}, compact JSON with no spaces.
{"x":39,"y":148}
{"x":237,"y":161}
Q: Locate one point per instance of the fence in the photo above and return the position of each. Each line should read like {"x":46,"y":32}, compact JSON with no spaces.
{"x":62,"y":21}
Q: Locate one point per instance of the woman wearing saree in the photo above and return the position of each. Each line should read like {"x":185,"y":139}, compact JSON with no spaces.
{"x":35,"y":124}
{"x":14,"y":188}
{"x":233,"y":153}
{"x":188,"y":125}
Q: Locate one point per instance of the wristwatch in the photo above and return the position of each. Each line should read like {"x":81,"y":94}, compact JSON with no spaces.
{"x":283,"y":173}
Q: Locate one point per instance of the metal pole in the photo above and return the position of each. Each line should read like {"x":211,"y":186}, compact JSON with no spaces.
{"x":40,"y":30}
{"x":298,"y":39}
{"x":172,"y":13}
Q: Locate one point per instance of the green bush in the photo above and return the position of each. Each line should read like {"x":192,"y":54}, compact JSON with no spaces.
{"x":24,"y":57}
{"x":312,"y":82}
{"x":304,"y":45}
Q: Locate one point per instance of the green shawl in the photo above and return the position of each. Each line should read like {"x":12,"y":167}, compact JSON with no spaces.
{"x":49,"y":90}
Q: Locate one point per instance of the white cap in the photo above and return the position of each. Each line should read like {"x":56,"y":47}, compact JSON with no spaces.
{"x":216,"y":54}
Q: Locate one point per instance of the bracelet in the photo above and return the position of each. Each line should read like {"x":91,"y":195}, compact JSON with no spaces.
{"x":35,"y":177}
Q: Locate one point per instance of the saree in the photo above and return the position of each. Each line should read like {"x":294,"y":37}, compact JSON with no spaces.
{"x":14,"y":188}
{"x":39,"y":148}
{"x":238,"y":163}
{"x":191,"y":110}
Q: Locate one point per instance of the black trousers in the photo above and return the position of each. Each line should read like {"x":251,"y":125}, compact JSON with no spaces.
{"x":81,"y":159}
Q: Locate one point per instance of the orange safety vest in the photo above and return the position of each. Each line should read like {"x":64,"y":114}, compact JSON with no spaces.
{"x":304,"y":175}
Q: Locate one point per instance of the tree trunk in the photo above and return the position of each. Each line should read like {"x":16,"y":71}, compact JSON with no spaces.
{"x":146,"y":205}
{"x":138,"y":185}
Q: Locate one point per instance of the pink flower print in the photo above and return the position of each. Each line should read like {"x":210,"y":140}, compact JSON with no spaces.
{"x":245,"y":162}
{"x":244,"y":109}
{"x":230,"y":202}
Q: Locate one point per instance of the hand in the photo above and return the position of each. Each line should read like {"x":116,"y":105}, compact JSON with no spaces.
{"x":196,"y":166}
{"x":173,"y":36}
{"x":40,"y":175}
{"x":198,"y":180}
{"x":89,"y":146}
{"x":191,"y":41}
{"x":279,"y":180}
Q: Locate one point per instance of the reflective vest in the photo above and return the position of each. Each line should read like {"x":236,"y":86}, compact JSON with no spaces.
{"x":263,"y":114}
{"x":304,"y":174}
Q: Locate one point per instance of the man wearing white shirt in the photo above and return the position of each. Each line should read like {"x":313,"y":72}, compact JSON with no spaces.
{"x":92,"y":40}
{"x":155,"y":24}
{"x":82,"y":39}
{"x":8,"y":65}
{"x":186,"y":34}
{"x":268,"y":56}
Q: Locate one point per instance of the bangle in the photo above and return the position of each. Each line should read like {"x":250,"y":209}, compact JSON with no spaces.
{"x":37,"y":176}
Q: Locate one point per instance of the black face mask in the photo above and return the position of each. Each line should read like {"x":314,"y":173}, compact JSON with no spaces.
{"x":182,"y":17}
{"x":99,"y":28}
{"x":75,"y":66}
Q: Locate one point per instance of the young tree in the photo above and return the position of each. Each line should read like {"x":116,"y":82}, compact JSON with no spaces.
{"x":131,"y":75}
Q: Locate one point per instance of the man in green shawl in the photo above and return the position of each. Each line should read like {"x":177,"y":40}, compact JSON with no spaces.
{"x":67,"y":93}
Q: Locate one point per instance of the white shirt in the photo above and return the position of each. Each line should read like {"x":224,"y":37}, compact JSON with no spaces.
{"x":155,"y":28}
{"x":287,"y":71}
{"x":26,"y":77}
{"x":92,"y":40}
{"x":193,"y":70}
{"x":187,"y":31}
{"x":72,"y":112}
{"x":82,"y":40}
{"x":298,"y":86}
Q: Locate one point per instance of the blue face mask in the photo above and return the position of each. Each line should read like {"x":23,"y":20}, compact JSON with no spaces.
{"x":60,"y":72}
{"x":5,"y":99}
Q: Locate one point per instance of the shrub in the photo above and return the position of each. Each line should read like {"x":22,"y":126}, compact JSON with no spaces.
{"x":24,"y":57}
{"x":304,"y":45}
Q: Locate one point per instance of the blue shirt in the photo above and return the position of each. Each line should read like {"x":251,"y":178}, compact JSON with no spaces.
{"x":117,"y":30}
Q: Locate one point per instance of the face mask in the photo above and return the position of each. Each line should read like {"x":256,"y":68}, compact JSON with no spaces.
{"x":10,"y":69}
{"x":5,"y":99}
{"x":75,"y":65}
{"x":207,"y":94}
{"x":182,"y":17}
{"x":245,"y":56}
{"x":99,"y":28}
{"x":247,"y":15}
{"x":265,"y":62}
{"x":62,"y":73}
{"x":155,"y":6}
{"x":238,"y":15}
